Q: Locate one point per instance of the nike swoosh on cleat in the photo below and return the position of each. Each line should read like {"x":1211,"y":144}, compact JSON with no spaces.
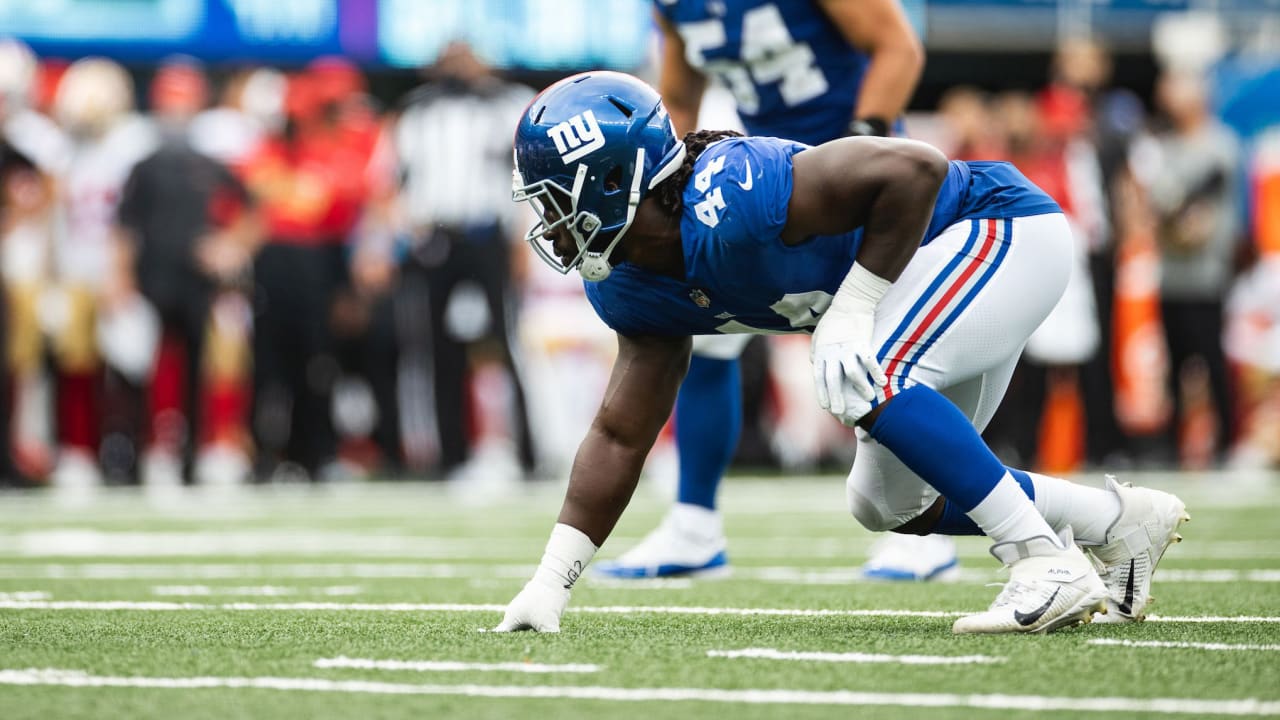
{"x":1025,"y":619}
{"x":749,"y":181}
{"x":1126,"y":607}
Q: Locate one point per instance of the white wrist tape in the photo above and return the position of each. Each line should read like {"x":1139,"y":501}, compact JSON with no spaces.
{"x":861,"y":290}
{"x":565,"y":558}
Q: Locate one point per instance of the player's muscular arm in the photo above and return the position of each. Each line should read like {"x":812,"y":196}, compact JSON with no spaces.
{"x":880,"y":28}
{"x":637,"y":402}
{"x":886,"y":186}
{"x":679,"y":83}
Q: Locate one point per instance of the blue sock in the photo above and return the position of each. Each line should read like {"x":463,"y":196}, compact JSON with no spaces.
{"x":708,"y":422}
{"x":930,"y":435}
{"x":954,"y":521}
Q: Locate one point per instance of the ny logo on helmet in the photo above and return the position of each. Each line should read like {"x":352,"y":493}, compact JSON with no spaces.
{"x":577,"y":137}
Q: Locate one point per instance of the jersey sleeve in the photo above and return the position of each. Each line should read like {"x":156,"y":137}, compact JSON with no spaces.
{"x":633,"y":302}
{"x":749,"y":189}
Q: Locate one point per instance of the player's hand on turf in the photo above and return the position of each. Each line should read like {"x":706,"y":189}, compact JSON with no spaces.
{"x":538,"y":607}
{"x":843,"y":357}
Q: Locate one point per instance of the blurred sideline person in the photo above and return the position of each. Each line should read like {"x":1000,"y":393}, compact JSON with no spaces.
{"x":187,"y":230}
{"x":452,"y":145}
{"x":249,"y":108}
{"x":1047,"y":139}
{"x":94,"y":105}
{"x":804,"y":70}
{"x":36,"y":155}
{"x":920,"y":280}
{"x":1115,"y":117}
{"x":18,"y":178}
{"x":366,"y":402}
{"x":311,"y":185}
{"x":1193,"y":193}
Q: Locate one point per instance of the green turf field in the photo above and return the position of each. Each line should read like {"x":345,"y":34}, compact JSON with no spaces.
{"x":282,"y":603}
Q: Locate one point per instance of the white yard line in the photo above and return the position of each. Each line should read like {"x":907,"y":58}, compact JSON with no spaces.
{"x":451,"y":666}
{"x":253,"y":590}
{"x":449,"y":607}
{"x":1183,"y":645}
{"x":1214,"y":618}
{"x":1219,"y":576}
{"x":594,"y":610}
{"x":1192,"y":706}
{"x":92,"y":542}
{"x":235,"y":571}
{"x":853,"y":657}
{"x":24,"y":596}
{"x":87,"y":542}
{"x":480,"y":571}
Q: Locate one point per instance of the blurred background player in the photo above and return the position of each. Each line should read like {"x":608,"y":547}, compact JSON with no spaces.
{"x":453,"y":148}
{"x":95,"y":107}
{"x":187,"y":231}
{"x":1194,"y":186}
{"x":36,"y":153}
{"x":804,"y":70}
{"x":312,"y":183}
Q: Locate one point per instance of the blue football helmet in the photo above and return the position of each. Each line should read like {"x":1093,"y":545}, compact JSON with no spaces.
{"x":587,"y":151}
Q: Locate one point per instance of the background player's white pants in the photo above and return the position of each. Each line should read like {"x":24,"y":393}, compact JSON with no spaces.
{"x":720,"y":347}
{"x":956,"y":321}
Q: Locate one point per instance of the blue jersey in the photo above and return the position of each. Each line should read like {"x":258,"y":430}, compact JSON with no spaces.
{"x":740,"y":277}
{"x":791,"y":70}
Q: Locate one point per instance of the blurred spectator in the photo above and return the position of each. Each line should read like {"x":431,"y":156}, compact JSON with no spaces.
{"x":1115,"y":116}
{"x":94,"y":105}
{"x":13,"y":165}
{"x":1046,"y":138}
{"x":453,"y":142}
{"x":249,"y":107}
{"x":312,"y":184}
{"x":974,"y":133}
{"x":187,"y":230}
{"x":1193,"y":192}
{"x":1253,"y":343}
{"x":367,"y":397}
{"x":35,"y":153}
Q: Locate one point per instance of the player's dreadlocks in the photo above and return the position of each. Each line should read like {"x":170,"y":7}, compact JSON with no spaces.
{"x":670,"y":192}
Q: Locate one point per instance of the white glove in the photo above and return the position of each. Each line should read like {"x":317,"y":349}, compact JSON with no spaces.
{"x":538,"y":607}
{"x":543,"y":600}
{"x":841,"y":349}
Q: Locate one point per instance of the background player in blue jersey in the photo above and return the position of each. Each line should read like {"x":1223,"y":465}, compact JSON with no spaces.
{"x":804,"y":70}
{"x":920,"y":281}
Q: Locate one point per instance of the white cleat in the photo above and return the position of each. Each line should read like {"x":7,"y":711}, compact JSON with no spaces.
{"x":688,"y":543}
{"x":76,"y":472}
{"x":1147,"y":525}
{"x":223,"y":466}
{"x":912,"y":558}
{"x":1048,"y":588}
{"x":161,"y":470}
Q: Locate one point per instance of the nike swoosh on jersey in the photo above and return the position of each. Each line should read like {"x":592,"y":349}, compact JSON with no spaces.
{"x":1025,"y":619}
{"x":749,"y":181}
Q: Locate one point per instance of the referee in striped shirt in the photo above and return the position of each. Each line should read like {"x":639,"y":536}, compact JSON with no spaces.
{"x":453,"y":144}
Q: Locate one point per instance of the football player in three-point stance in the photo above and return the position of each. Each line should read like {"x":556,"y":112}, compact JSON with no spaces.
{"x":803,"y":70}
{"x":920,"y":279}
